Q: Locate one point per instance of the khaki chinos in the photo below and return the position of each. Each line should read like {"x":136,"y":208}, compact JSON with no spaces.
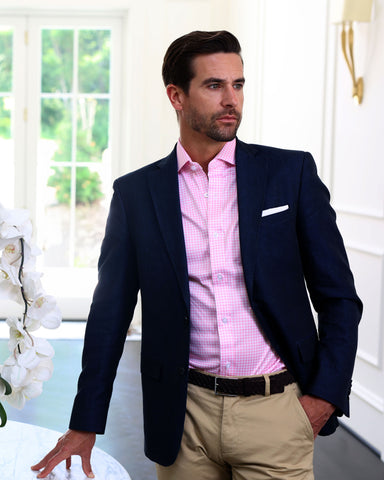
{"x":255,"y":437}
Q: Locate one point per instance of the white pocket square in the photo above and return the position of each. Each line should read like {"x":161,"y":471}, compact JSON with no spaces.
{"x":272,"y":211}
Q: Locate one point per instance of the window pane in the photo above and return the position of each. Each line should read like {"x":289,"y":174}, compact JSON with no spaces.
{"x":92,"y":129}
{"x":6,"y":110}
{"x":94,"y":61}
{"x":74,"y":235}
{"x":56,"y":130}
{"x":55,"y":229}
{"x":6,"y":38}
{"x":57,"y":61}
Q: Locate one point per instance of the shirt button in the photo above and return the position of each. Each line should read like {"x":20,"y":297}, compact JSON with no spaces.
{"x":193,"y":167}
{"x":206,"y":194}
{"x":219,"y":276}
{"x":225,"y":320}
{"x":228,"y":365}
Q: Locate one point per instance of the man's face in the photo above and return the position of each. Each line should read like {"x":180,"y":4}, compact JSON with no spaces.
{"x":213,"y":105}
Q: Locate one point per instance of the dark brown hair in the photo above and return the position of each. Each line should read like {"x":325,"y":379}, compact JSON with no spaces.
{"x":177,"y":65}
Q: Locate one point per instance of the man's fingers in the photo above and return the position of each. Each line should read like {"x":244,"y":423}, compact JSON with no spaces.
{"x":68,"y":463}
{"x":73,"y":442}
{"x":86,"y":464}
{"x":46,"y":459}
{"x":51,"y":464}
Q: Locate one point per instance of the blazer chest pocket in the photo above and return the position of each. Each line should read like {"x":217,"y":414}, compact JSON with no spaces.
{"x":270,"y":216}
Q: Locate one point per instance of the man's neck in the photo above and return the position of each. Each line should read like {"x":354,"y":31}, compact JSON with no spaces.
{"x":202,"y":152}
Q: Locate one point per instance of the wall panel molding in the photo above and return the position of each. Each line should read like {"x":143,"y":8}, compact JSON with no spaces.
{"x":360,"y":212}
{"x":373,"y":357}
{"x":366,"y":249}
{"x":368,"y":396}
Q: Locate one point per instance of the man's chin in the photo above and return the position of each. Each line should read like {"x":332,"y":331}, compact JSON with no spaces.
{"x":223,"y":135}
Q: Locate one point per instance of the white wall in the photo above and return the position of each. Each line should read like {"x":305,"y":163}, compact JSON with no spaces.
{"x":304,"y":101}
{"x":358,"y":192}
{"x":298,"y":95}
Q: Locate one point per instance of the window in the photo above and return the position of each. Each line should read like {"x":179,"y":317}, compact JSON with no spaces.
{"x":56,"y":145}
{"x":73,"y":149}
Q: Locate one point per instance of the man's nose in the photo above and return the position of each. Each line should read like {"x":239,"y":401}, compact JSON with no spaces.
{"x":229,"y":97}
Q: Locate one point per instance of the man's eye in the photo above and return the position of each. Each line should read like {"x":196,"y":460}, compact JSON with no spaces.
{"x":238,"y":86}
{"x":213,"y":86}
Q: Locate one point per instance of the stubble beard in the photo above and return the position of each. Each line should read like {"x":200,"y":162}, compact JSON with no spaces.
{"x":211,"y":129}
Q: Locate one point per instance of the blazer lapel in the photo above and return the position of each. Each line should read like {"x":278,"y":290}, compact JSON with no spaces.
{"x":163,"y":183}
{"x":251,"y":172}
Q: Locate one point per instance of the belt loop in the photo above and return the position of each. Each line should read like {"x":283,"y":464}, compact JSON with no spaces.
{"x":267,"y":379}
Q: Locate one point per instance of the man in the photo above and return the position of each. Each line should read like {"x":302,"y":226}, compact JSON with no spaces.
{"x":223,"y":240}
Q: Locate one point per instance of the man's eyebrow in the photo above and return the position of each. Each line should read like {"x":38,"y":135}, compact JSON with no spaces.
{"x":210,"y":80}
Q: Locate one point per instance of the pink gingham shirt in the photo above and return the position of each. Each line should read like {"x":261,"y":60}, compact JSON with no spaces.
{"x":225,"y":336}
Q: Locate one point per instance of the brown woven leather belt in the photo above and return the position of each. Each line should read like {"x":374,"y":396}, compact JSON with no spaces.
{"x":241,"y":386}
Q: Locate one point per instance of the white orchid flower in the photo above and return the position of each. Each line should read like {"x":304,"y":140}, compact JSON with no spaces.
{"x":43,"y":347}
{"x":12,"y":252}
{"x":9,"y":272}
{"x":19,"y":395}
{"x":14,"y":223}
{"x":18,"y":335}
{"x":32,"y":284}
{"x":16,"y":398}
{"x":45,"y":309}
{"x":44,"y":370}
{"x":21,"y":367}
{"x":29,"y":364}
{"x":40,"y":348}
{"x":14,"y":373}
{"x":8,"y":291}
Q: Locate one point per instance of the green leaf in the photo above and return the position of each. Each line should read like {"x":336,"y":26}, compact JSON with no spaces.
{"x":3,"y":416}
{"x":8,"y":388}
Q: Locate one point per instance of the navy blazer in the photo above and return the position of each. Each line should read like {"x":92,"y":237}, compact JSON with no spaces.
{"x":285,"y":256}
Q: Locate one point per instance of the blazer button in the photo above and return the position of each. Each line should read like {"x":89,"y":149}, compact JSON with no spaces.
{"x":181,"y":371}
{"x":186,"y":321}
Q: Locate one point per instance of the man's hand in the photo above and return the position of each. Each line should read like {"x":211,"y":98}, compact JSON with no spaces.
{"x":317,"y":410}
{"x":73,"y":442}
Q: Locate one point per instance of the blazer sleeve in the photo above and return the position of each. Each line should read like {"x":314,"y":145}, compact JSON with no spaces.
{"x":331,"y":287}
{"x":110,"y":315}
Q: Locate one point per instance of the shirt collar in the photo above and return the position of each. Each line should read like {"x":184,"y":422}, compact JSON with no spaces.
{"x":227,"y":154}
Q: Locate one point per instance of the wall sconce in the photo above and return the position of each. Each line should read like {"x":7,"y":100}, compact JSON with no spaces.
{"x":345,"y":12}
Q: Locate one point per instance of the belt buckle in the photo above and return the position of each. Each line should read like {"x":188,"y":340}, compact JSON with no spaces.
{"x":222,"y":394}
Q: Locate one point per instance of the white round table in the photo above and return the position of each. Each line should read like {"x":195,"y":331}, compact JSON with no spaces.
{"x":23,"y":445}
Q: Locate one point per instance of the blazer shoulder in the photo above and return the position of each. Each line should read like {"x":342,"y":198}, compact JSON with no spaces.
{"x":274,"y":157}
{"x":269,"y":151}
{"x":139,"y":175}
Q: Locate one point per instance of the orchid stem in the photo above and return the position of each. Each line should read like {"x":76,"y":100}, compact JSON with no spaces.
{"x":20,"y":276}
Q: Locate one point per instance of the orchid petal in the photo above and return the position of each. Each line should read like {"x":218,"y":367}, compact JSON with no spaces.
{"x":43,"y":347}
{"x":44,"y":371}
{"x":16,"y":398}
{"x":33,"y":390}
{"x":28,"y":359}
{"x":18,"y":376}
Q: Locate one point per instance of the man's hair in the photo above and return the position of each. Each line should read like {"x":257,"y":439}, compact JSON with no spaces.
{"x":178,"y":60}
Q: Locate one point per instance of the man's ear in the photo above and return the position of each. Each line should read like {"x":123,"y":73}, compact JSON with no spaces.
{"x":176,"y":96}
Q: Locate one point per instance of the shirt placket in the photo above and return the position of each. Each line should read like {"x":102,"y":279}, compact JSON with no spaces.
{"x":220,"y":276}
